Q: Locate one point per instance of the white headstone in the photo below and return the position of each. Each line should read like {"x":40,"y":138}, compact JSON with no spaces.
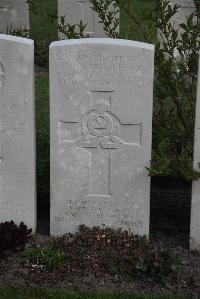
{"x":77,"y":10}
{"x":195,"y":206}
{"x":101,"y":128}
{"x":187,"y":7}
{"x":17,"y":131}
{"x":13,"y":13}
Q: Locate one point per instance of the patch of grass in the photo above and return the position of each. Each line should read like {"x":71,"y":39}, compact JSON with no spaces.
{"x":53,"y":294}
{"x":43,"y":137}
{"x":46,"y":258}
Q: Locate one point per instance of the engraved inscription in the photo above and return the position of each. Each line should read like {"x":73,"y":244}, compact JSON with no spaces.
{"x":110,"y":213}
{"x":13,"y":126}
{"x":8,"y":108}
{"x":101,"y":133}
{"x":2,"y":74}
{"x":103,"y":71}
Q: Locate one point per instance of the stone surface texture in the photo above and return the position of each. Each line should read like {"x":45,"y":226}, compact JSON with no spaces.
{"x":17,"y":131}
{"x":101,"y":128}
{"x":13,"y":13}
{"x":187,"y":7}
{"x":77,"y":10}
{"x":195,"y":206}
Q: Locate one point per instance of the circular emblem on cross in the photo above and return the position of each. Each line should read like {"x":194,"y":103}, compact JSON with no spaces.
{"x":99,"y":125}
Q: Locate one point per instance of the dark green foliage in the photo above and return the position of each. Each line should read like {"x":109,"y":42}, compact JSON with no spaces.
{"x":175,"y":94}
{"x":13,"y":237}
{"x":42,"y":52}
{"x":43,"y":138}
{"x":71,"y":31}
{"x":46,"y":258}
{"x":107,"y":251}
{"x":43,"y":19}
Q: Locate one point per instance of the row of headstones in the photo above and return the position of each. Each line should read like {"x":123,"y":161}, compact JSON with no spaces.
{"x":15,"y":13}
{"x":101,"y":95}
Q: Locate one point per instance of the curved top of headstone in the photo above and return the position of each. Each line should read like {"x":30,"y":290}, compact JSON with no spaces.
{"x":16,"y":39}
{"x":103,"y":41}
{"x":184,"y":3}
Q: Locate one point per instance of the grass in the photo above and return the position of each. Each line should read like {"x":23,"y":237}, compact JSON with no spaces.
{"x":45,"y":258}
{"x":10,"y":293}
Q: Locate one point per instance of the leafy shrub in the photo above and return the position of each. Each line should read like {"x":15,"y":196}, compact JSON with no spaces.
{"x":71,"y":31}
{"x":13,"y":237}
{"x":47,"y":258}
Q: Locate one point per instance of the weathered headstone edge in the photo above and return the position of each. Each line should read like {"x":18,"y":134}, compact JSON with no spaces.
{"x":16,"y":39}
{"x":195,"y":200}
{"x":107,"y":41}
{"x":29,"y":45}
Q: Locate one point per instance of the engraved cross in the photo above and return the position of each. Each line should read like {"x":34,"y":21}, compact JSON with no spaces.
{"x":87,"y":15}
{"x":101,"y":133}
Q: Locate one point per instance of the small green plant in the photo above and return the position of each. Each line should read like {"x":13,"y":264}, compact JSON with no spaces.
{"x":47,"y":258}
{"x":71,"y":31}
